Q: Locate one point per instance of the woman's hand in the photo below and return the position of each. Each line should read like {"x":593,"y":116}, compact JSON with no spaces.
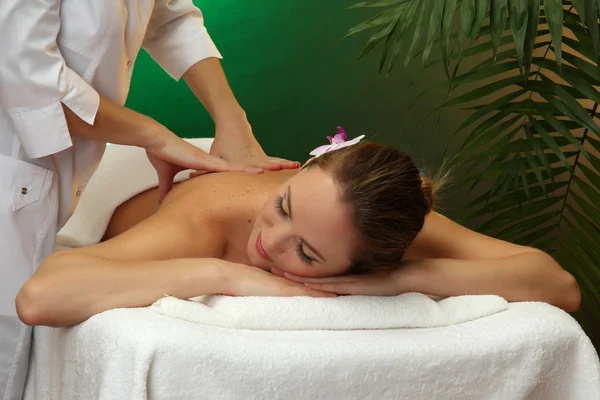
{"x":234,"y":141}
{"x":387,"y":283}
{"x":244,"y":280}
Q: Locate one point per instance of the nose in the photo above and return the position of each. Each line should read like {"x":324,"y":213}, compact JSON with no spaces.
{"x":275,"y":238}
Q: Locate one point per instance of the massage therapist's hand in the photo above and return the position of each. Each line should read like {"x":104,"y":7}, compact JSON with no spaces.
{"x":389,"y":283}
{"x":244,"y":280}
{"x":235,"y":142}
{"x":170,"y":154}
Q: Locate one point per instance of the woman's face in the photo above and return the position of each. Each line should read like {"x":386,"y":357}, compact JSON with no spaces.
{"x":304,"y":228}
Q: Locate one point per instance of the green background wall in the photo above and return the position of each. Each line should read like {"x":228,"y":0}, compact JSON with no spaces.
{"x":297,"y":80}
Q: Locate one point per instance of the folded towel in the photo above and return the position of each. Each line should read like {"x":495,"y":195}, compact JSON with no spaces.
{"x":411,"y":310}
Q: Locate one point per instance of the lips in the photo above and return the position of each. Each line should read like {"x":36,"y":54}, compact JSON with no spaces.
{"x":260,"y":249}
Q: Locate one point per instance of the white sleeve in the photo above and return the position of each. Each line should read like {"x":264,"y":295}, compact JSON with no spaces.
{"x":177,"y":38}
{"x":35,"y":80}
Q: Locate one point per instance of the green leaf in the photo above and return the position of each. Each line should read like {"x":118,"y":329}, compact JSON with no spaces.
{"x":518,"y":22}
{"x":491,"y":134}
{"x":535,"y":145}
{"x":405,"y":22}
{"x":572,"y":75}
{"x":420,"y":30}
{"x":487,"y":124}
{"x":591,"y":175}
{"x":582,"y":236}
{"x":389,"y":43}
{"x":434,"y":25}
{"x":534,"y":166}
{"x":498,"y":14}
{"x":594,"y":142}
{"x":531,"y":32}
{"x":511,"y":176}
{"x":480,"y":92}
{"x":526,"y":225}
{"x":481,"y":9}
{"x":591,"y":193}
{"x":572,"y":107}
{"x":592,"y":232}
{"x":580,"y":7}
{"x":519,"y":212}
{"x":481,"y":74}
{"x":447,"y":22}
{"x":554,"y":14}
{"x":591,"y":21}
{"x":383,"y":18}
{"x":379,"y":35}
{"x":467,"y":12}
{"x":495,"y":105}
{"x":509,"y":201}
{"x":579,"y":263}
{"x":535,"y":236}
{"x":589,"y":209}
{"x":378,"y":3}
{"x":506,"y":54}
{"x":523,"y":174}
{"x":581,"y":65}
{"x":547,"y":138}
{"x":580,"y":47}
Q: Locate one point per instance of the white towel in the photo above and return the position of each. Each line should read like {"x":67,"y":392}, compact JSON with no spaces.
{"x":411,"y":310}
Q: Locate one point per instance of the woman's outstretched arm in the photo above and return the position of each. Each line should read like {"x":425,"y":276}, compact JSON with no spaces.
{"x":166,"y":254}
{"x":131,"y":270}
{"x":447,"y":259}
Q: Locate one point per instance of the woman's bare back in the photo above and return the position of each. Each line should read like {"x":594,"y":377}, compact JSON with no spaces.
{"x":239,"y":192}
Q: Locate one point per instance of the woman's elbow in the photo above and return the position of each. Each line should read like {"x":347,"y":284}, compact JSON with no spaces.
{"x":30,"y":305}
{"x":570,"y":296}
{"x":34,"y":297}
{"x":563,"y":289}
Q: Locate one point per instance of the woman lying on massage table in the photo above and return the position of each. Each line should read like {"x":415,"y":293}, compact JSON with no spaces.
{"x":356,"y":220}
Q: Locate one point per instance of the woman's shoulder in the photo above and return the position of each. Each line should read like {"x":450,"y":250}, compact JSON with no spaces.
{"x":205,"y":199}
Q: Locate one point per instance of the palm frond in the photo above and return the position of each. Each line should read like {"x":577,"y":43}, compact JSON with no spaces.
{"x":530,"y":144}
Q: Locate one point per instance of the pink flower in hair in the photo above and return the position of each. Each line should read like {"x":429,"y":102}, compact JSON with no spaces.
{"x":336,"y":142}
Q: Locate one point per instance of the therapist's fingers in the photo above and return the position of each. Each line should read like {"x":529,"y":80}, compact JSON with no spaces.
{"x":275,"y":164}
{"x":165,"y":183}
{"x":215,"y":164}
{"x":198,"y":173}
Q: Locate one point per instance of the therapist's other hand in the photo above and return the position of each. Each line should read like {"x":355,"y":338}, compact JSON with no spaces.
{"x":170,"y":154}
{"x":388,"y":283}
{"x":235,"y":142}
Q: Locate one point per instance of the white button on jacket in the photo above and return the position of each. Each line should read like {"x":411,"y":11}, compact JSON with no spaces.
{"x":69,"y":52}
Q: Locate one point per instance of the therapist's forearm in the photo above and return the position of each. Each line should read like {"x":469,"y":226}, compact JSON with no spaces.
{"x":116,"y":124}
{"x":207,"y":81}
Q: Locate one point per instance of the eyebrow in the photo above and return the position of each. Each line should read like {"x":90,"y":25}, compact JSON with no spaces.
{"x":289,"y":204}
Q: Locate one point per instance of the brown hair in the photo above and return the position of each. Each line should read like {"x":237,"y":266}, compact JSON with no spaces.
{"x":388,"y":197}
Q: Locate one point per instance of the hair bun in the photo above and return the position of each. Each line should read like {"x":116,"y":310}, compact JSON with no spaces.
{"x":427,"y":188}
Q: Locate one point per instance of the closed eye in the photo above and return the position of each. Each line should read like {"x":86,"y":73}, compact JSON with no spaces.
{"x":279,"y":206}
{"x":299,"y":248}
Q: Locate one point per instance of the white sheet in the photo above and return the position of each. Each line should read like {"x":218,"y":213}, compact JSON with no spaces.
{"x":475,"y":347}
